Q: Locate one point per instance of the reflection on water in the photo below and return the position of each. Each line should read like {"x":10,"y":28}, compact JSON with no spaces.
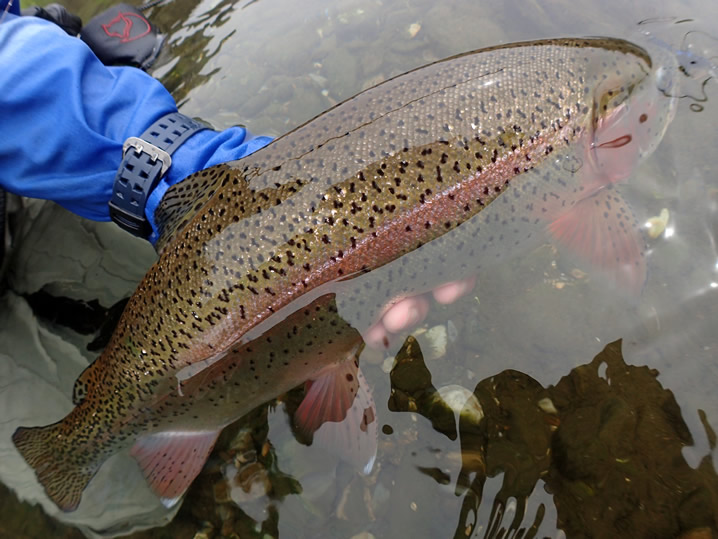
{"x":615,"y":447}
{"x":597,"y":453}
{"x":605,"y":442}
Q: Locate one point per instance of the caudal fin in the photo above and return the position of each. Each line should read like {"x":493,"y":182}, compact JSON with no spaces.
{"x":63,"y":478}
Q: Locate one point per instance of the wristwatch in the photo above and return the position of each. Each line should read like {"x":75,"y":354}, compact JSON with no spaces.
{"x":145,"y":159}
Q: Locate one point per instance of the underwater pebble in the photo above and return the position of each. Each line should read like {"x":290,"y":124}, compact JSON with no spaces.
{"x":388,"y":364}
{"x":340,"y":67}
{"x":256,"y":103}
{"x":445,"y":37}
{"x":248,"y":484}
{"x":373,"y":81}
{"x":221,"y":492}
{"x":207,"y":532}
{"x":463,"y":402}
{"x":414,"y":29}
{"x":381,"y":496}
{"x":433,"y":341}
{"x":655,"y":226}
{"x":547,"y":406}
{"x":697,"y":533}
{"x":318,"y":79}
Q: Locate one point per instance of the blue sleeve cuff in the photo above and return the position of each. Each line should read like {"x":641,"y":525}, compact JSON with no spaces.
{"x":66,"y":115}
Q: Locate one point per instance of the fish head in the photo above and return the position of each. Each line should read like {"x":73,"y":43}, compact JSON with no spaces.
{"x":632,"y":108}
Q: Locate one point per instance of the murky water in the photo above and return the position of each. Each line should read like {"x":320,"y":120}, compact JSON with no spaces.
{"x":622,"y":445}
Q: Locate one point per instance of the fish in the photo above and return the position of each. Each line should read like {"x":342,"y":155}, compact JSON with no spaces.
{"x":424,"y":178}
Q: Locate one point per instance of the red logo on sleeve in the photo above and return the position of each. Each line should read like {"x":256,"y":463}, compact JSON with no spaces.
{"x":127,"y":27}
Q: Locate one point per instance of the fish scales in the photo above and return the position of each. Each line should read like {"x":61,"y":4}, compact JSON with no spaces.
{"x":370,"y":180}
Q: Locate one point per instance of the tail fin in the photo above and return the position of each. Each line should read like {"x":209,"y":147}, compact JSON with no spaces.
{"x":63,"y":478}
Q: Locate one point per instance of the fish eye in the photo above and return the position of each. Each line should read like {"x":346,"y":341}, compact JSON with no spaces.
{"x":643,"y":117}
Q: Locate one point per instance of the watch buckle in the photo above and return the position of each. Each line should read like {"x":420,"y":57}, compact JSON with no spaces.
{"x":155,"y":153}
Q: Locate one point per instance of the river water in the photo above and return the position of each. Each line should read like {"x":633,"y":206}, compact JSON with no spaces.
{"x":619,"y":446}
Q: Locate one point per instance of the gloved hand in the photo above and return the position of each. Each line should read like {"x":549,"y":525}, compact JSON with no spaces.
{"x":66,"y":116}
{"x":71,"y":24}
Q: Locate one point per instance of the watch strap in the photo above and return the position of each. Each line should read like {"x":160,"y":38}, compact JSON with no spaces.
{"x":145,"y":160}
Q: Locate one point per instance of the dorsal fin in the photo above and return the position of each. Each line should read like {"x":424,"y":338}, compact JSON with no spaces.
{"x":185,"y":199}
{"x":82,"y":384}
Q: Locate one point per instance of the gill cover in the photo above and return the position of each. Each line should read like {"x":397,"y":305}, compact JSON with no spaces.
{"x":629,"y":119}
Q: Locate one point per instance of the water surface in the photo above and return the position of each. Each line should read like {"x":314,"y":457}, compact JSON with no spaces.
{"x":569,"y":445}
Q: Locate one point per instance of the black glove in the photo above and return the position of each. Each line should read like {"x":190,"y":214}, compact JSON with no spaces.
{"x":121,"y":35}
{"x":72,"y":24}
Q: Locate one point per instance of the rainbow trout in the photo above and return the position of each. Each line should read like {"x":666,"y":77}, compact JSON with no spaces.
{"x":472,"y":154}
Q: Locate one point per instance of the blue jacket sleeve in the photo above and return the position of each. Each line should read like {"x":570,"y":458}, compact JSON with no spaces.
{"x":66,"y":115}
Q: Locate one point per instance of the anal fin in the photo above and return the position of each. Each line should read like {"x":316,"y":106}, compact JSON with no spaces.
{"x":170,"y":460}
{"x":83,"y":382}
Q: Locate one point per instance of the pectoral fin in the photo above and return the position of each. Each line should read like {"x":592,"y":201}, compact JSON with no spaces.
{"x":338,"y":410}
{"x":603,"y":230}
